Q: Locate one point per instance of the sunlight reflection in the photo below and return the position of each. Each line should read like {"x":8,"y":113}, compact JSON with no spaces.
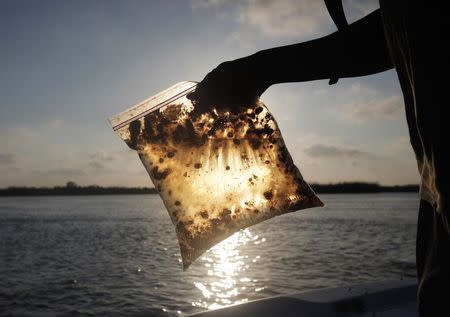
{"x":226,"y":265}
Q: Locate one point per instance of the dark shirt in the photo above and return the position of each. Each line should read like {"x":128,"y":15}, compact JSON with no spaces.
{"x":418,"y":37}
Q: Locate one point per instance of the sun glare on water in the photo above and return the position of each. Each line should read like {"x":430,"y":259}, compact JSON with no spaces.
{"x":226,"y":265}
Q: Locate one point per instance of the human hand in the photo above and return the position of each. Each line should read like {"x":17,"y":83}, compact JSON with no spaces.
{"x":232,"y":83}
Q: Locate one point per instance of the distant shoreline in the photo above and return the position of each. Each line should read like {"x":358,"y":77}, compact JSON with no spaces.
{"x":74,"y":190}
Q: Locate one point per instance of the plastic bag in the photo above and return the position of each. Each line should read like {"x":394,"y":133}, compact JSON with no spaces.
{"x":217,"y":170}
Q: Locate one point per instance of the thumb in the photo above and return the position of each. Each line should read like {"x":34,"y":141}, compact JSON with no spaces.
{"x":192,"y":95}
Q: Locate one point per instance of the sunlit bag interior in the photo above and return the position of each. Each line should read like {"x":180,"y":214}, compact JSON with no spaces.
{"x":217,"y":170}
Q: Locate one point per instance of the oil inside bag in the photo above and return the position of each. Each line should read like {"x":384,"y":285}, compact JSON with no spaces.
{"x":217,"y":170}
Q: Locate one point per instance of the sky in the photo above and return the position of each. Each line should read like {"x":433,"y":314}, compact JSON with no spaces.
{"x":66,"y":66}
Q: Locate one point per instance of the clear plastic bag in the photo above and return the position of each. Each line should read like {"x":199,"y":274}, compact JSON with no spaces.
{"x":217,"y":170}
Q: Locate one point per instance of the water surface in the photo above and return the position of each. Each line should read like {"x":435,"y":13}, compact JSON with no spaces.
{"x":118,"y":255}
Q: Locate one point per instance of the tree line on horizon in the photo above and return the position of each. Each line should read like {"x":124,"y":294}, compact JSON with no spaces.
{"x":71,"y":188}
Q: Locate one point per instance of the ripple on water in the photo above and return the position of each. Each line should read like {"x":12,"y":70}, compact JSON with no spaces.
{"x":118,"y":255}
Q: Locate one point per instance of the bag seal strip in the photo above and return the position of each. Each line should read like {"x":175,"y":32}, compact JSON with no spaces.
{"x":148,"y":108}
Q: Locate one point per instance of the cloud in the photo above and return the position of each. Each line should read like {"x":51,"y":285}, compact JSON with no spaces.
{"x":96,"y":165}
{"x":356,"y":9}
{"x":331,"y":151}
{"x":324,"y":161}
{"x":55,"y":124}
{"x":370,"y":104}
{"x":102,"y":161}
{"x":388,"y":108}
{"x":64,"y":171}
{"x":102,"y":156}
{"x":198,"y":4}
{"x":281,"y":18}
{"x":7,"y":158}
{"x":399,"y":146}
{"x":284,"y":18}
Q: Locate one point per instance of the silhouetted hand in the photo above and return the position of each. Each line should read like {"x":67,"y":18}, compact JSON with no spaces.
{"x":231,"y":83}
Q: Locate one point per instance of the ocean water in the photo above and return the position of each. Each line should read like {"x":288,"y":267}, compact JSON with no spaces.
{"x":118,"y":255}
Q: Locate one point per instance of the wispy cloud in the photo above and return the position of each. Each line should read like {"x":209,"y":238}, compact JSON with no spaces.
{"x":7,"y":158}
{"x":63,"y":172}
{"x":388,"y":108}
{"x":331,"y":151}
{"x":197,"y":4}
{"x":102,"y":156}
{"x":356,"y":9}
{"x":399,"y":146}
{"x":369,"y":104}
{"x":285,"y":18}
{"x":96,"y":165}
{"x":324,"y":158}
{"x":281,"y":18}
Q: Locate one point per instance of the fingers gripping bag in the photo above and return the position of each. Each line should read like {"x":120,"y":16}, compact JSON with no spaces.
{"x":217,"y":170}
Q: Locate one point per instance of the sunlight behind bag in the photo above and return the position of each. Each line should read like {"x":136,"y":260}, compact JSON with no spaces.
{"x":217,"y":170}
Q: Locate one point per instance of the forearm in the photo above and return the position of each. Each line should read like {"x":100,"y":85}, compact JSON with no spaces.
{"x":356,"y":51}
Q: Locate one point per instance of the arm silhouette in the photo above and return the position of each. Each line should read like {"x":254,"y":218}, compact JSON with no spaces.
{"x":358,"y":50}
